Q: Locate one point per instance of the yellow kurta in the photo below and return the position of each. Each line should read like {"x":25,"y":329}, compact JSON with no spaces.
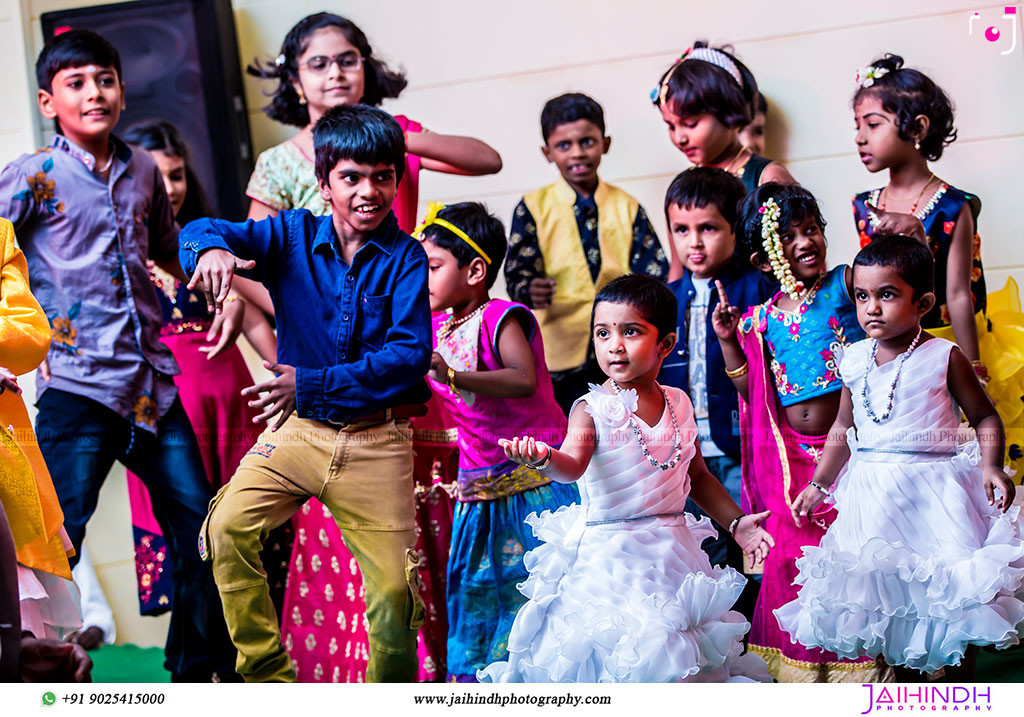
{"x":565,"y":324}
{"x":26,"y":490}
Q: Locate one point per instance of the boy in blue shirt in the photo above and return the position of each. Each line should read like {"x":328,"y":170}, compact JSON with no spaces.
{"x":700,"y":207}
{"x":354,"y":345}
{"x":90,"y":211}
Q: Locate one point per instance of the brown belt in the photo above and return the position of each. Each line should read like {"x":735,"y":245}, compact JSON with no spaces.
{"x":408,"y":410}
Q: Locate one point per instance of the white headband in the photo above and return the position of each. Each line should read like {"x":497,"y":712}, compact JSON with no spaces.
{"x":717,"y":58}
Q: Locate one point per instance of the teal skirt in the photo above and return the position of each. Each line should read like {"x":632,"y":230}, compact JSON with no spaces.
{"x":489,"y":539}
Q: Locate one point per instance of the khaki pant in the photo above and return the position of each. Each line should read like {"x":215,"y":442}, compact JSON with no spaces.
{"x":363,"y":473}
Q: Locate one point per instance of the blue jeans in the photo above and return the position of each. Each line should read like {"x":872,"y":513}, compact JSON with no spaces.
{"x":80,"y":439}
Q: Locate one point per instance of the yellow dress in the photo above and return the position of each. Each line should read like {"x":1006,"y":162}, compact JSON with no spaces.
{"x":26,"y":490}
{"x":1001,"y":346}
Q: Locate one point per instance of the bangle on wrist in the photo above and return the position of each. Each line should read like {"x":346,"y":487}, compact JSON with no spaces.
{"x":820,"y":487}
{"x":451,"y":382}
{"x":737,"y":372}
{"x":735,"y":522}
{"x":541,"y":465}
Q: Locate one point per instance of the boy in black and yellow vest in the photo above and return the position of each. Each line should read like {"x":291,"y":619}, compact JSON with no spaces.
{"x":571,"y":238}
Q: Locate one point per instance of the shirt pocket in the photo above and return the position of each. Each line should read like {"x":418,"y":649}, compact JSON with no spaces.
{"x":376,"y":320}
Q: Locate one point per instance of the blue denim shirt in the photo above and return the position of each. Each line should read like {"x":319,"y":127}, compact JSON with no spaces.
{"x":359,"y":335}
{"x":745,"y":287}
{"x":87,"y":239}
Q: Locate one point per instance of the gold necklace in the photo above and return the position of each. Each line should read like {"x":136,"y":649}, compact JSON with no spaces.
{"x":735,"y":159}
{"x":887,"y":196}
{"x":451,"y":323}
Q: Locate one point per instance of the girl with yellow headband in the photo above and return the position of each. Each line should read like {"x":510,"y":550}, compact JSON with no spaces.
{"x":488,"y":368}
{"x":706,"y":97}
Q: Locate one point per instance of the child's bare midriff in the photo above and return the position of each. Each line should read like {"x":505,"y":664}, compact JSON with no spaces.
{"x":814,"y":417}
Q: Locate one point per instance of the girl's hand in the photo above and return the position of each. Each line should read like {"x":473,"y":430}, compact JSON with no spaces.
{"x":755,"y":540}
{"x":805,"y":503}
{"x":997,"y":478}
{"x":725,"y":318}
{"x":895,"y":223}
{"x":225,"y":327}
{"x":8,"y":381}
{"x":438,"y":368}
{"x":280,"y":395}
{"x":525,"y":450}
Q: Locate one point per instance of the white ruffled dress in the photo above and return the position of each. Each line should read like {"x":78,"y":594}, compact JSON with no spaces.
{"x":620,"y":590}
{"x":917,"y":565}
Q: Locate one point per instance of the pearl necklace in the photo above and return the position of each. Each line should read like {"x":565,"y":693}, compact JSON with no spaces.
{"x":677,"y":436}
{"x":892,"y":389}
{"x":451,"y":323}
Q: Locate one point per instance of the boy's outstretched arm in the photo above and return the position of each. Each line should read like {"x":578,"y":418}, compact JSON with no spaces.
{"x":248,"y":246}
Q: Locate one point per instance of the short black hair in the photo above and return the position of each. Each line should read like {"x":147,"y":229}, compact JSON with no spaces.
{"x":649,"y":296}
{"x":907,"y":93}
{"x":910,"y":258}
{"x":361,"y":133}
{"x":379,"y":81}
{"x":75,"y":48}
{"x":696,"y":87}
{"x":482,"y":227}
{"x":162,"y":136}
{"x":568,"y":108}
{"x":761,"y":104}
{"x":795,"y":205}
{"x":698,"y":187}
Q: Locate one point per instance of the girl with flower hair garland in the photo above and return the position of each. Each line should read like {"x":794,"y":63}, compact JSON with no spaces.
{"x":620,"y":590}
{"x":782,"y":357}
{"x":904,"y":121}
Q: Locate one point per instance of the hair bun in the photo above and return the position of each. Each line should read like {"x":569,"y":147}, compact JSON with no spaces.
{"x":890,"y":62}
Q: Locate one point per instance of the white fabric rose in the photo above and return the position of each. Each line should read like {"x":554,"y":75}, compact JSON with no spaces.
{"x":611,"y":409}
{"x":852,"y":361}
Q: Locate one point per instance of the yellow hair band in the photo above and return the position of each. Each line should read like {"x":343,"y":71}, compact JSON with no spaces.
{"x":432,"y":211}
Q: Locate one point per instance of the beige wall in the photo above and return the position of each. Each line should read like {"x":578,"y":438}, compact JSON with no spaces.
{"x":485,"y":69}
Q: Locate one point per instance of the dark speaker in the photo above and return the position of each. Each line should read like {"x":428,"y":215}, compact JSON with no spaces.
{"x":180,"y":64}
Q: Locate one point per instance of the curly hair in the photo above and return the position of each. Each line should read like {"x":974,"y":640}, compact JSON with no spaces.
{"x":907,"y":93}
{"x":380,"y":81}
{"x":697,"y":87}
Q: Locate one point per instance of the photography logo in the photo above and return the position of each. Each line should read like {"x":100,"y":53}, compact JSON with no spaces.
{"x":993,"y":33}
{"x":928,"y":698}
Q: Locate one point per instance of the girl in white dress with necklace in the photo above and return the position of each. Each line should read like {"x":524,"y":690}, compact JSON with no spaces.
{"x":620,"y":590}
{"x":925,"y":559}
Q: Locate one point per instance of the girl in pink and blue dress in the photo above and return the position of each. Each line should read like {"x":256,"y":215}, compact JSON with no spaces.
{"x":921,"y":565}
{"x":904,"y":121}
{"x":488,"y":369}
{"x":781,"y":356}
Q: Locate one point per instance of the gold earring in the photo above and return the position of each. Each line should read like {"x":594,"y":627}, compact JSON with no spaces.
{"x":302,"y":97}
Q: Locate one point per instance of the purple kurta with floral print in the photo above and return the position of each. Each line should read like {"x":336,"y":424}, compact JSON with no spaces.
{"x":87,"y":241}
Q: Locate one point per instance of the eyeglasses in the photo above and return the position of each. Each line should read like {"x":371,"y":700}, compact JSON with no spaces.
{"x":346,"y":62}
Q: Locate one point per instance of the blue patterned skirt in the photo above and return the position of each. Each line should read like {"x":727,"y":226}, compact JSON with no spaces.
{"x":489,"y":539}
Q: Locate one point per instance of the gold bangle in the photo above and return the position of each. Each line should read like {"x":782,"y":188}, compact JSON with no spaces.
{"x":737,"y":372}
{"x":233,"y":297}
{"x":451,"y":381}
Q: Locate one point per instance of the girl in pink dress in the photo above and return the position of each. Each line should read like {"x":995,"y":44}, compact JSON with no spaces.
{"x":326,"y":61}
{"x":210,"y":383}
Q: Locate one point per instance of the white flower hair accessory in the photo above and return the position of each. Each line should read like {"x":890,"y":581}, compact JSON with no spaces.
{"x":612,"y":409}
{"x":280,"y":60}
{"x":866,"y":76}
{"x":772,"y":243}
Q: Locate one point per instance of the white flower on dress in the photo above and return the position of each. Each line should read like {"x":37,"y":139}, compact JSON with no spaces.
{"x":853,"y":362}
{"x":613,"y":409}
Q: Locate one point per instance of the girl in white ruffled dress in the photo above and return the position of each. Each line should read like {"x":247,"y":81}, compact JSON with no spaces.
{"x":924,"y":560}
{"x":620,"y":590}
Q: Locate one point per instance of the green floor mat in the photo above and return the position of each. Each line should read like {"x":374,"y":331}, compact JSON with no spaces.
{"x":128,"y":663}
